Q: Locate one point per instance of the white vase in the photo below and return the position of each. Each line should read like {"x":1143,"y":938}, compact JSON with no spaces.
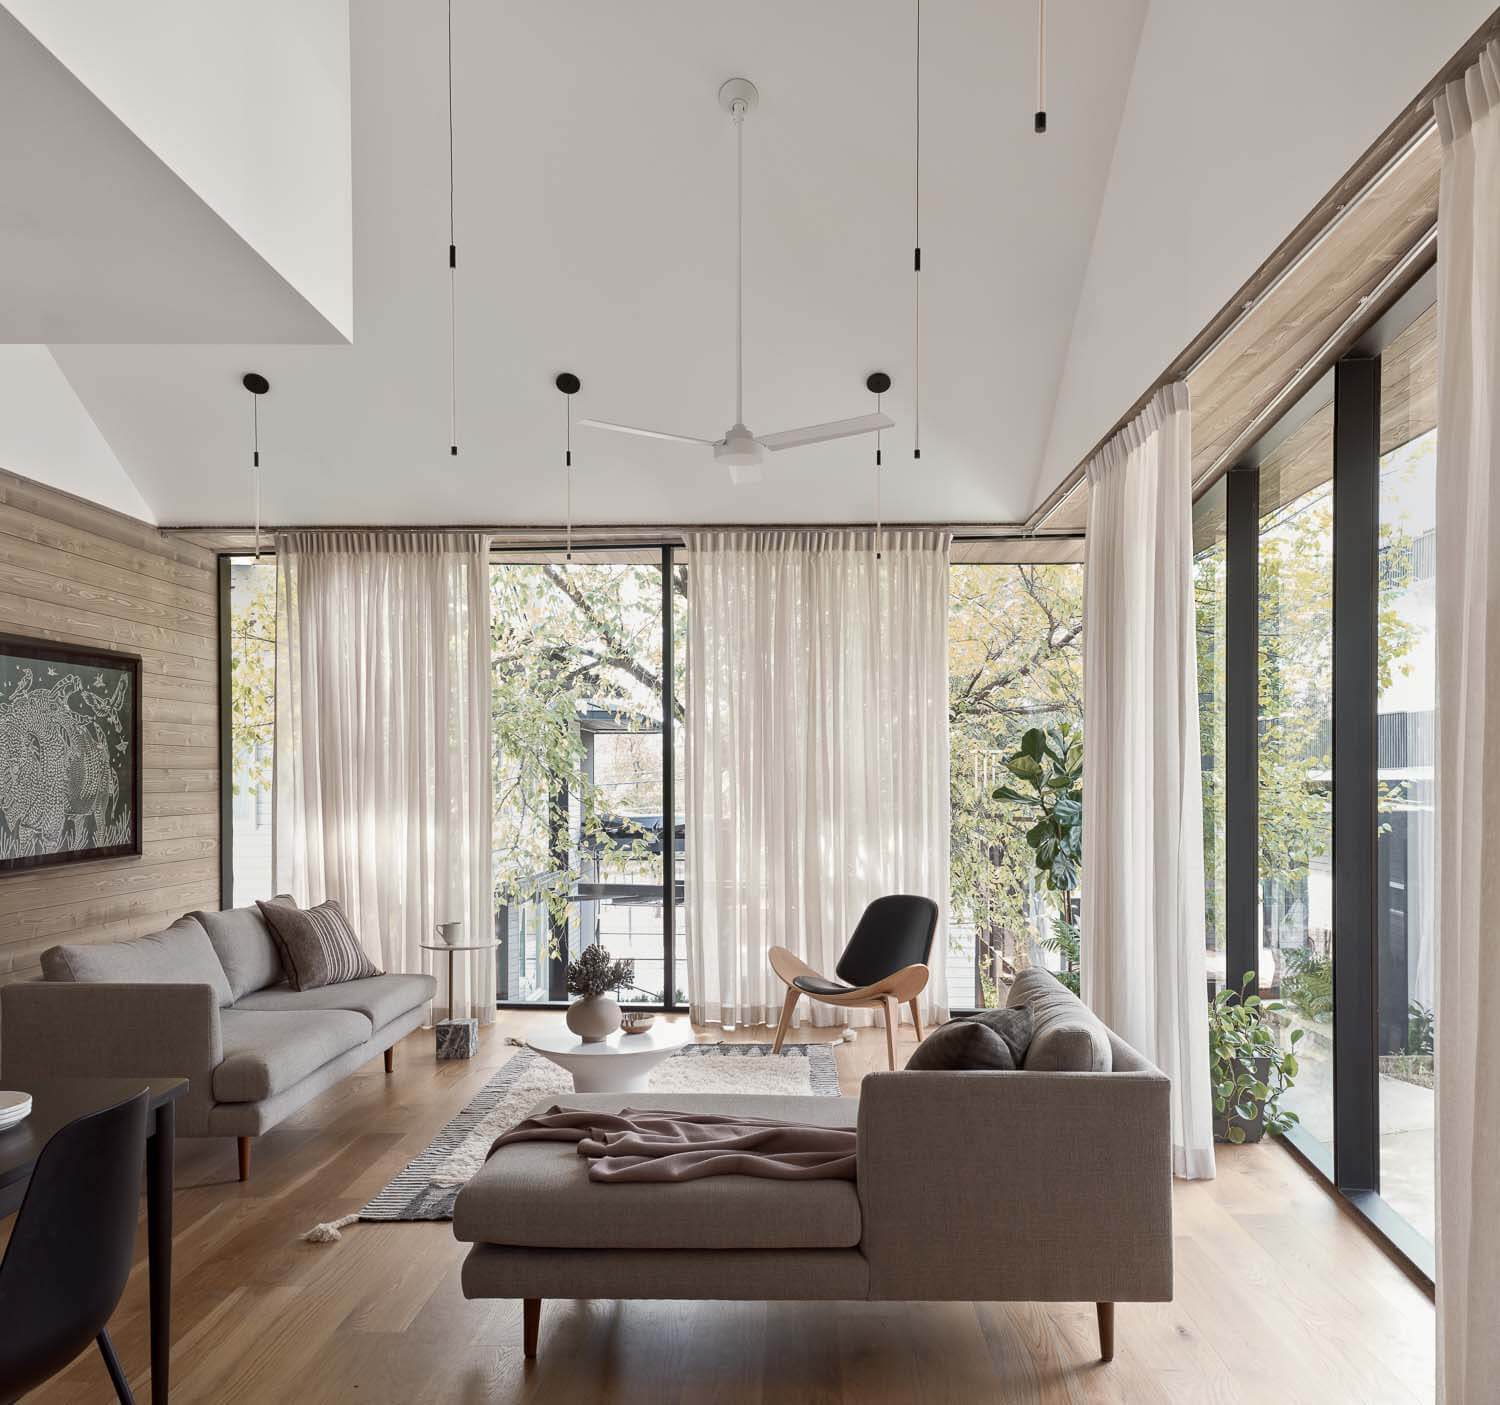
{"x":593,"y":1018}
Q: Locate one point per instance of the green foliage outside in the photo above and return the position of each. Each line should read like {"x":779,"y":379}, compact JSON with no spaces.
{"x":1015,"y":661}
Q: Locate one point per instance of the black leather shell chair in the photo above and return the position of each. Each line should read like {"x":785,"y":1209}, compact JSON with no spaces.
{"x":884,"y":966}
{"x":70,"y":1248}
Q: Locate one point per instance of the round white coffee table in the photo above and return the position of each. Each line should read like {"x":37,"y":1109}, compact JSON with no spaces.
{"x":620,"y":1064}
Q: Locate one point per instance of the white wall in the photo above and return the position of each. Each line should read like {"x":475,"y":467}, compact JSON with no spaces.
{"x":1278,"y":98}
{"x":249,"y":106}
{"x":47,"y":435}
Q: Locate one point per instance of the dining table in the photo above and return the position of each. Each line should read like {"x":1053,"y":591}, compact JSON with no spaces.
{"x":57,"y":1101}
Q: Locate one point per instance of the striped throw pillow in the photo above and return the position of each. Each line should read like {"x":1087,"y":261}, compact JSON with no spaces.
{"x":318,"y":946}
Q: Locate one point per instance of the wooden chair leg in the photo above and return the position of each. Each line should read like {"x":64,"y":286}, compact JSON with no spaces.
{"x":1106,"y":1331}
{"x":531,"y":1320}
{"x":892,"y":1019}
{"x":112,"y":1365}
{"x":244,"y":1145}
{"x":390,"y":1059}
{"x":792,"y":996}
{"x":916,"y":1019}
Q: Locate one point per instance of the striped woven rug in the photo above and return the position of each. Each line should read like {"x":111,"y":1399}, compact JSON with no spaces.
{"x":428,"y":1186}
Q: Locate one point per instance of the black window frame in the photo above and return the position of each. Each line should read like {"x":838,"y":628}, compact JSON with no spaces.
{"x":1351,"y":1168}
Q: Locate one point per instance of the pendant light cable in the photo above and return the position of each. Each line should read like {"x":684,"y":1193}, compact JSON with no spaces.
{"x":255,"y":465}
{"x":452,"y":264}
{"x":568,"y":472}
{"x":877,"y":484}
{"x":1039,"y":124}
{"x":916,"y":355}
{"x":739,"y":263}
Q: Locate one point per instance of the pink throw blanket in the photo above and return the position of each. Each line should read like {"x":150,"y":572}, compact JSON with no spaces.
{"x":642,"y":1145}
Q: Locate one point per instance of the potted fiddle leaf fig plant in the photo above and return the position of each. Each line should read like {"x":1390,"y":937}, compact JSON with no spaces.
{"x":1249,"y":1071}
{"x":1047,"y":781}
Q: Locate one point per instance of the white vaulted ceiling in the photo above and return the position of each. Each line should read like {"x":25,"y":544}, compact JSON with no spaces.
{"x":595,"y":214}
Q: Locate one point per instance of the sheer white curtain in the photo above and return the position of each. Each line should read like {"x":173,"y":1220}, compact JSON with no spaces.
{"x":383,"y":741}
{"x":1142,"y":958}
{"x":817,"y":754}
{"x":1468,"y":767}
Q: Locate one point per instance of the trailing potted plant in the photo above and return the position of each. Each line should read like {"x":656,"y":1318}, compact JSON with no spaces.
{"x":594,"y":1016}
{"x":1248,"y":1070}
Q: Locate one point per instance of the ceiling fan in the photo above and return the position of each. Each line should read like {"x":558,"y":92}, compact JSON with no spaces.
{"x":739,"y":448}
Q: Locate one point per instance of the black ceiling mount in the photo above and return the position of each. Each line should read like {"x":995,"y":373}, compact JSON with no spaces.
{"x":877,"y":382}
{"x":568,"y":383}
{"x":255,"y":383}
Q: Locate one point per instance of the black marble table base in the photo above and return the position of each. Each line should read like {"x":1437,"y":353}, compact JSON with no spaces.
{"x":457,"y":1039}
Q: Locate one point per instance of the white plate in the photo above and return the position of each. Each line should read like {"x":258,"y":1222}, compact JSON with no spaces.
{"x":14,"y":1107}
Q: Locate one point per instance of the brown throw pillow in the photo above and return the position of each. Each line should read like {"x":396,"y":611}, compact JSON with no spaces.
{"x":961,"y":1044}
{"x":318,"y":946}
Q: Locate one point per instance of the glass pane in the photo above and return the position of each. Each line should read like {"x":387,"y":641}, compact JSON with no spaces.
{"x":252,"y":722}
{"x":1015,"y":661}
{"x":1406,"y":738}
{"x":1209,"y":596}
{"x":576,"y":710}
{"x":1296,"y":732}
{"x":679,"y":762}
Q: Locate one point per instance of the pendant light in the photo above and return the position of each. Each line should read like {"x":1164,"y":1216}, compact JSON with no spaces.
{"x":1039,"y":123}
{"x":570,"y":385}
{"x":257,"y":385}
{"x":877,"y":383}
{"x":452,"y":265}
{"x":916,"y":353}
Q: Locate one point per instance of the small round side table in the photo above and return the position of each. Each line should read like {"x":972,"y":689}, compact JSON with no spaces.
{"x":456,"y":1039}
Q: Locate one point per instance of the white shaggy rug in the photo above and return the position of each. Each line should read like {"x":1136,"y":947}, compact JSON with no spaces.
{"x":428,"y":1186}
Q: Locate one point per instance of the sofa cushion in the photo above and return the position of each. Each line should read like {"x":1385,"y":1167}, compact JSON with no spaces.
{"x":245,"y":948}
{"x":973,"y":1043}
{"x":269,"y":1051}
{"x":1066,"y":1036}
{"x":180,"y":955}
{"x":318,"y":946}
{"x":380,"y":999}
{"x":538,"y":1194}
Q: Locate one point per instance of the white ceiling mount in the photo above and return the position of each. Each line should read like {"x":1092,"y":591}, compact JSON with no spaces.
{"x":738,"y":90}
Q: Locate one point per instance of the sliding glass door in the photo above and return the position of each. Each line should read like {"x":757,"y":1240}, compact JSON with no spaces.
{"x":1316,"y":624}
{"x":585,"y":837}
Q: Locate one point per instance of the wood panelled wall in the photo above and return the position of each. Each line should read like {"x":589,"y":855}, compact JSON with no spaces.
{"x":82,"y":574}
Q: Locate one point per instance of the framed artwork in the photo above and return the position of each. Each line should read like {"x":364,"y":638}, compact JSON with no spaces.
{"x":70,"y":754}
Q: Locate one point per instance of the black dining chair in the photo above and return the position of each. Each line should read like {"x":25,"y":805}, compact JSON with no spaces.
{"x":70,"y":1248}
{"x":883,"y":967}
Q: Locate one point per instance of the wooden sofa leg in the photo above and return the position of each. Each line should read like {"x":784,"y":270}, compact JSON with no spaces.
{"x":792,"y":996}
{"x":244,"y":1145}
{"x":390,"y":1059}
{"x":531,"y":1319}
{"x":1106,"y":1331}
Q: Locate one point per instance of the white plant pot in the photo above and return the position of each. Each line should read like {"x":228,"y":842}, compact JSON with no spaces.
{"x":593,"y":1018}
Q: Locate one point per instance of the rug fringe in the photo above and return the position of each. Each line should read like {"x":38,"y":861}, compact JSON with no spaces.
{"x":328,"y":1232}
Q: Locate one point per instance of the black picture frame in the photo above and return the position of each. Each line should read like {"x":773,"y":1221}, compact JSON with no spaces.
{"x":15,"y":736}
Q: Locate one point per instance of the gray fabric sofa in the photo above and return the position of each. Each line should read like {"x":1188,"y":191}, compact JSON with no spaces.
{"x":1038,"y":1184}
{"x":204,"y":1000}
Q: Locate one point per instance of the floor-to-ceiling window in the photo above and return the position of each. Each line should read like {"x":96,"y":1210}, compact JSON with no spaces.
{"x":251,"y":706}
{"x":1294,"y":804}
{"x":1316,"y":682}
{"x":581,"y":839}
{"x":1015,"y":662}
{"x":1406,"y":741}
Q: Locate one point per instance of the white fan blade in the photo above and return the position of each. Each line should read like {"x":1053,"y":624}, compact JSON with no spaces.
{"x":817,"y":433}
{"x":646,"y":433}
